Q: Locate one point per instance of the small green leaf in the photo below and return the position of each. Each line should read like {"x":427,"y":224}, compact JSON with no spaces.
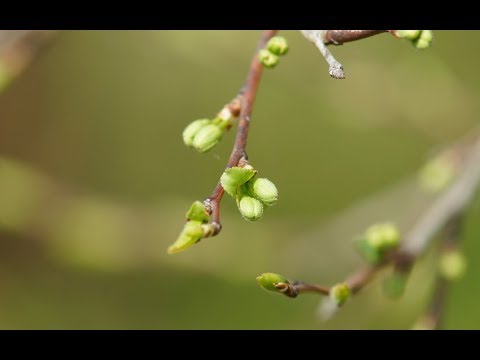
{"x":395,"y":284}
{"x":234,"y":177}
{"x":198,"y":212}
{"x":373,"y":255}
{"x":191,"y":234}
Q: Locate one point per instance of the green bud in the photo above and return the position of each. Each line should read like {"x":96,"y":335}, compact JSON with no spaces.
{"x":269,"y":280}
{"x":263,"y":190}
{"x":235,"y":177}
{"x":278,"y":45}
{"x":207,"y":137}
{"x":383,"y":236}
{"x":340,"y":293}
{"x":424,"y":40}
{"x":198,"y":212}
{"x":408,"y":34}
{"x":191,"y":234}
{"x":453,"y":265}
{"x":192,"y":129}
{"x":268,"y":59}
{"x":250,"y":208}
{"x":394,"y":285}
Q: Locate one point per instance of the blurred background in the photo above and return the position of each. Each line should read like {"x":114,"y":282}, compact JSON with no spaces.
{"x":95,"y":179}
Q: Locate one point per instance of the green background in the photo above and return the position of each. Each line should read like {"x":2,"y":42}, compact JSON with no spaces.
{"x":95,"y":179}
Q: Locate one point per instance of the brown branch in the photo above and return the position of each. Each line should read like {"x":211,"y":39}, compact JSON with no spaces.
{"x":246,"y":97}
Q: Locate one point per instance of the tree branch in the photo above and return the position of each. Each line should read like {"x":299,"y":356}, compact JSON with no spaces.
{"x":322,"y":38}
{"x":246,"y":98}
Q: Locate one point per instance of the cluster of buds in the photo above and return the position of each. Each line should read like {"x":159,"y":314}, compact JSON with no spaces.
{"x":378,"y":240}
{"x":270,"y":56}
{"x":196,"y":228}
{"x":252,"y":194}
{"x":421,"y":39}
{"x":203,"y":134}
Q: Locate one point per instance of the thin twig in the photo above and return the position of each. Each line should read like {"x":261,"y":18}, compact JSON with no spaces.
{"x":322,"y":38}
{"x":247,"y":97}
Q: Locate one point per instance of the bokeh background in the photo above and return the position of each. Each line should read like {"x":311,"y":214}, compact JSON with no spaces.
{"x":95,"y":179}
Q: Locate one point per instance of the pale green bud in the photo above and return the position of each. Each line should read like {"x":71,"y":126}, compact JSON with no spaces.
{"x":191,"y":234}
{"x":425,"y":39}
{"x":263,"y":190}
{"x":192,"y":129}
{"x":453,"y":265}
{"x":207,"y":137}
{"x":394,"y":285}
{"x":408,"y":34}
{"x":235,"y":177}
{"x":198,"y":212}
{"x":278,"y":45}
{"x":269,"y":280}
{"x":250,"y":208}
{"x":268,"y":59}
{"x":340,"y":293}
{"x":383,"y":236}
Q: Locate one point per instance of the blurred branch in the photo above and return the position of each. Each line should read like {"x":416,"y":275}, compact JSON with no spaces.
{"x":246,"y":99}
{"x":18,"y":48}
{"x":444,"y":214}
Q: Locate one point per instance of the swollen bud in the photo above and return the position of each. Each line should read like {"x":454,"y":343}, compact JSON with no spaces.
{"x":207,"y":137}
{"x":340,"y":293}
{"x":408,"y":34}
{"x":235,"y":177}
{"x":192,"y":129}
{"x":263,"y":190}
{"x":198,"y":212}
{"x":383,"y":236}
{"x":453,"y":265}
{"x":191,"y":234}
{"x":268,"y":281}
{"x":424,"y":40}
{"x":278,"y":45}
{"x":250,"y":208}
{"x":268,"y":59}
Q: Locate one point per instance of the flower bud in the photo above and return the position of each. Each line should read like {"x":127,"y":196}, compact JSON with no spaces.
{"x":424,"y":40}
{"x":268,"y":59}
{"x":408,"y":34}
{"x":383,"y":236}
{"x":269,"y":280}
{"x":198,"y":212}
{"x":340,"y":293}
{"x":453,"y":265}
{"x":372,"y":254}
{"x":192,"y":129}
{"x":278,"y":45}
{"x":235,"y":177}
{"x":207,"y":137}
{"x":263,"y":190}
{"x":191,"y":234}
{"x":250,"y":208}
